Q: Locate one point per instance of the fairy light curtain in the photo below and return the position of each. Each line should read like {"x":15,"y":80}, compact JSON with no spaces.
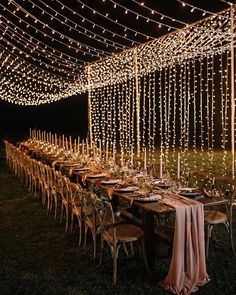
{"x":174,"y":93}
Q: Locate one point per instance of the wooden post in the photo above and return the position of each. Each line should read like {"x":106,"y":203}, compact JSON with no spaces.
{"x":90,"y":131}
{"x":232,"y":90}
{"x":137,"y":104}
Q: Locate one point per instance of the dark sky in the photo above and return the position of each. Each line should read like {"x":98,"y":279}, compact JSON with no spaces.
{"x":69,"y":116}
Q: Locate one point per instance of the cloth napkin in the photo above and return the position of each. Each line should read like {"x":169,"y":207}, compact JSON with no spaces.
{"x":188,"y":265}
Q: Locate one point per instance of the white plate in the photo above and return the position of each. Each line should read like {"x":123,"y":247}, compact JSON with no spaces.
{"x":110,"y":181}
{"x":189,"y":192}
{"x":163,"y":184}
{"x":151,"y":198}
{"x":96,"y":175}
{"x":127,"y":189}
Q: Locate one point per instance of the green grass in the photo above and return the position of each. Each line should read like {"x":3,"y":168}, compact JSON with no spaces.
{"x":37,"y":257}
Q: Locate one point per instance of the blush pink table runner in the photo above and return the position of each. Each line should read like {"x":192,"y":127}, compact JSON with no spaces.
{"x":188,"y":264}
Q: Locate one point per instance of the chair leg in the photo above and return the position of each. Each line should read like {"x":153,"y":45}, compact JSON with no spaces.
{"x":85,"y":235}
{"x":114,"y":253}
{"x":67,"y":217}
{"x":94,"y":245}
{"x":72,"y":222}
{"x":80,"y":231}
{"x":55,"y":212}
{"x":62,"y":211}
{"x":132,"y":248}
{"x":145,"y":257}
{"x":125,"y":249}
{"x":49,"y":202}
{"x":101,"y":253}
{"x":231,"y":231}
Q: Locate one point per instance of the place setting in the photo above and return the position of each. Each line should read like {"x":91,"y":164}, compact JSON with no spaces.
{"x":191,"y":192}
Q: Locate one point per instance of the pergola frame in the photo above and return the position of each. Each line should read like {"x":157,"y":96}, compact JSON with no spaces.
{"x":206,"y":38}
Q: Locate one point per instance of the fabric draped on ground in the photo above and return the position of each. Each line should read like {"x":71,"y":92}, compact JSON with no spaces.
{"x":187,"y":269}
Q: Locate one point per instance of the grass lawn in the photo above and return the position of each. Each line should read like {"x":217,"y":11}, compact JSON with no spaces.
{"x":37,"y":257}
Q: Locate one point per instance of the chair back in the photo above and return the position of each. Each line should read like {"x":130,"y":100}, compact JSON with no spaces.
{"x":106,"y":218}
{"x":198,"y":178}
{"x":226,"y":188}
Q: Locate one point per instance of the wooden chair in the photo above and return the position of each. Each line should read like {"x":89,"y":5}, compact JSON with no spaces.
{"x":226,"y":188}
{"x":118,"y":234}
{"x":198,"y":178}
{"x":76,"y":201}
{"x":91,"y":221}
{"x":64,"y":193}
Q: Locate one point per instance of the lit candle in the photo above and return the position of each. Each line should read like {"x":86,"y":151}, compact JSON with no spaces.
{"x":67,"y":145}
{"x":87,"y":147}
{"x":63,"y":141}
{"x":100,"y":149}
{"x":94,"y":156}
{"x":78,"y":143}
{"x":161,"y":164}
{"x":145,"y":159}
{"x":122,"y":157}
{"x":131,"y":157}
{"x":74,"y":149}
{"x":114,"y":153}
{"x":82,"y":147}
{"x":107,"y":154}
{"x":178,"y":171}
{"x":70,"y":140}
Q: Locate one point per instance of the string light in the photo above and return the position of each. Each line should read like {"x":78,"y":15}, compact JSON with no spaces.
{"x":147,"y":19}
{"x":96,"y":36}
{"x":153,"y":12}
{"x":55,"y":32}
{"x":119,"y":23}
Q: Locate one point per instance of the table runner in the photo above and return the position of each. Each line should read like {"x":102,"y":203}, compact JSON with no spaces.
{"x":188,"y":265}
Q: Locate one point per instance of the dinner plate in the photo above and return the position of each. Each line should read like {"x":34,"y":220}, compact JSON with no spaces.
{"x":189,"y":192}
{"x":138,"y":174}
{"x":127,"y":189}
{"x":110,"y":181}
{"x":96,"y":175}
{"x":151,"y":198}
{"x":162,"y":184}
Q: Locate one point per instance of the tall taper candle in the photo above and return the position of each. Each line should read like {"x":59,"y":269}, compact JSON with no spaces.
{"x":107,"y":151}
{"x":114,"y":153}
{"x":178,"y":170}
{"x":145,"y":159}
{"x":78,"y":143}
{"x":161,"y":174}
{"x":122,"y":157}
{"x":82,"y":147}
{"x":131,"y":157}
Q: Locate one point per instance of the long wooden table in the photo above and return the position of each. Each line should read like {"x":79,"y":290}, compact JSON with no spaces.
{"x":147,"y":210}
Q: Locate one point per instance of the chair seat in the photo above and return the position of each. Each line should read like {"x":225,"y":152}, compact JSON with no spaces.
{"x":125,"y":233}
{"x":214,"y":217}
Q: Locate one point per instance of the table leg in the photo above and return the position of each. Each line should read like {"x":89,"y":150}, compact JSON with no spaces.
{"x":148,"y":227}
